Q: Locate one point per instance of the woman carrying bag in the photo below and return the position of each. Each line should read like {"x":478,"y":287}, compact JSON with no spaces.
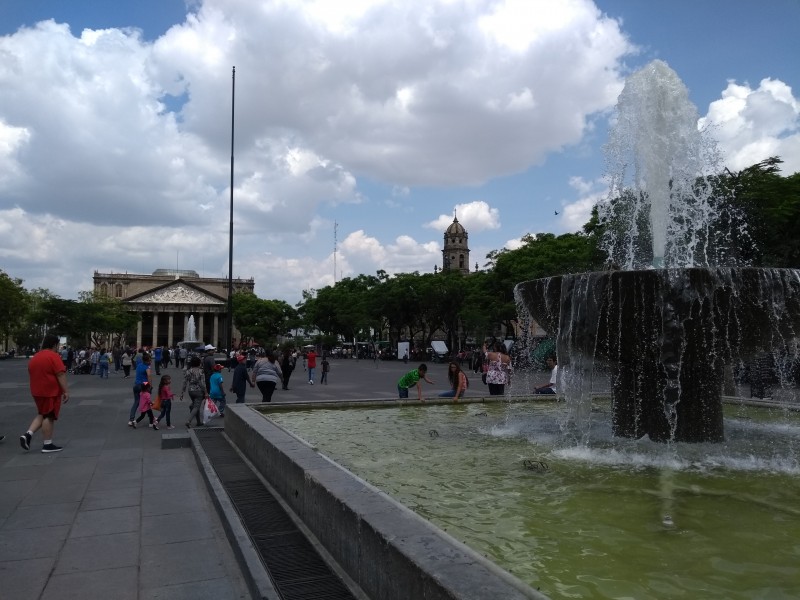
{"x":194,"y":382}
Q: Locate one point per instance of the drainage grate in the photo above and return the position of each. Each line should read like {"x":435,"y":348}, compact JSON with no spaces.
{"x":296,"y":568}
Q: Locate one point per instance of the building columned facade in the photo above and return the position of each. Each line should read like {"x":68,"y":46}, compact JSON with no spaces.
{"x":455,"y":254}
{"x":165,"y":300}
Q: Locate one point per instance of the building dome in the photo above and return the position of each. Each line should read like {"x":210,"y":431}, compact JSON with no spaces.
{"x":455,"y":229}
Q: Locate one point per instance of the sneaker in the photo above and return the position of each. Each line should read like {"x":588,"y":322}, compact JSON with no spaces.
{"x":155,"y":426}
{"x":47,"y":448}
{"x":25,"y":441}
{"x":170,"y":426}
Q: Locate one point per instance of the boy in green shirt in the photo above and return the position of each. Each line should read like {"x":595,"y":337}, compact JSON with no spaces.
{"x":413,"y":378}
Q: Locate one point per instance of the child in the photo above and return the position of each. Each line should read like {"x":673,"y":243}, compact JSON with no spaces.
{"x":326,"y":367}
{"x":166,"y":395}
{"x":146,"y":406}
{"x":216,"y":391}
{"x":413,"y":378}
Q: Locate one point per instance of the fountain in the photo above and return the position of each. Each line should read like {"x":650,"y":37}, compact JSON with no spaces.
{"x":675,"y":309}
{"x":190,"y":341}
{"x":618,"y":514}
{"x":191,"y":330}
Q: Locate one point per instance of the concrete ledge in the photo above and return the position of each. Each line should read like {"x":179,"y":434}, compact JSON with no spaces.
{"x":388,"y":550}
{"x":175,"y":440}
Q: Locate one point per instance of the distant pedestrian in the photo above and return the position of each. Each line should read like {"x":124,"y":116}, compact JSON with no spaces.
{"x":413,"y":377}
{"x":127,"y":361}
{"x":240,"y":379}
{"x":103,"y":361}
{"x":311,"y":360}
{"x":194,"y":382}
{"x":266,"y":374}
{"x":166,"y":396}
{"x":181,"y":360}
{"x":208,"y":364}
{"x":48,"y":383}
{"x":157,"y":358}
{"x":146,"y":406}
{"x":216,"y":390}
{"x":287,"y":366}
{"x":326,"y":367}
{"x":142,"y":375}
{"x":94,"y":360}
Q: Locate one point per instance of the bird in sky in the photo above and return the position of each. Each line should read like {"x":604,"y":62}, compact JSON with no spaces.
{"x":555,"y":211}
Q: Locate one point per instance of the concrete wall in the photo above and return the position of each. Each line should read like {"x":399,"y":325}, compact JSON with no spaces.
{"x":390,"y":551}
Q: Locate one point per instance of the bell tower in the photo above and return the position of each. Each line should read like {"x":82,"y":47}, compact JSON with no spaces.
{"x":455,"y":254}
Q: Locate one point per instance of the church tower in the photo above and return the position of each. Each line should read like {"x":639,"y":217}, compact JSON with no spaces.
{"x":456,"y":248}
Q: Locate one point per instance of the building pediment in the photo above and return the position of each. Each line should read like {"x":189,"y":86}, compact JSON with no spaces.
{"x":178,"y":292}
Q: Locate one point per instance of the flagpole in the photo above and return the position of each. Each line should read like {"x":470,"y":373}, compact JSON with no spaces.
{"x":229,"y":324}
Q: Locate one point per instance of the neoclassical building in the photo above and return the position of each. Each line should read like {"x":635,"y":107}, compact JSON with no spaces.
{"x":165,"y":300}
{"x":455,"y":254}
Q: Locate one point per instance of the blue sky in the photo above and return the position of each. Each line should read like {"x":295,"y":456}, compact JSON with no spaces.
{"x":382,"y":117}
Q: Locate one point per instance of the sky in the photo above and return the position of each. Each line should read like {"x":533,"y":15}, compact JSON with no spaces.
{"x":360,"y":128}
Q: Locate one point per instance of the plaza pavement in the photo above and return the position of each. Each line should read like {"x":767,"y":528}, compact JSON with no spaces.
{"x":115,"y":516}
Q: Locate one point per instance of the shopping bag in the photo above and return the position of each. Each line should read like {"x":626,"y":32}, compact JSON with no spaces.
{"x":156,"y":402}
{"x":210,"y":410}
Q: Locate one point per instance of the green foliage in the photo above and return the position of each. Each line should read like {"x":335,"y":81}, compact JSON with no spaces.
{"x":13,"y":305}
{"x":771,"y":206}
{"x":261,"y":320}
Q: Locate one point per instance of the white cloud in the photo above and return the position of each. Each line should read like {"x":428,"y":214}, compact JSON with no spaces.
{"x":754,"y":124}
{"x":475,"y":216}
{"x":115,"y":151}
{"x":576,"y":213}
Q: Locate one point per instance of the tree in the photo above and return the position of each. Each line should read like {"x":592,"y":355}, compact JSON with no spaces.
{"x":770,"y":205}
{"x":261,"y":320}
{"x":107,"y":320}
{"x":13,"y":305}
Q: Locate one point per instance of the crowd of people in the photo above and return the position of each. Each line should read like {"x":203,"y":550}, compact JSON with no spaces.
{"x":202,"y":380}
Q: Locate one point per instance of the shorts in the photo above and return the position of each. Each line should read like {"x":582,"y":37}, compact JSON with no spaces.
{"x":403,"y":392}
{"x":48,"y":406}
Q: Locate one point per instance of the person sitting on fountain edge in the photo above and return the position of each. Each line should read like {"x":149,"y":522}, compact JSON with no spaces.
{"x":550,"y":386}
{"x":413,"y":378}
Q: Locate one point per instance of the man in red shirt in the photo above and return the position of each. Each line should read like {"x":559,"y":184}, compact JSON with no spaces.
{"x":311,"y":358}
{"x":48,"y":381}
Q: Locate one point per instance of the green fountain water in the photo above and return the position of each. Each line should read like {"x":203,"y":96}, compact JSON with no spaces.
{"x":632,"y":519}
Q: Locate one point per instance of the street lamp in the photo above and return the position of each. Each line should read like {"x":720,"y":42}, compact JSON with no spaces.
{"x":229,"y":322}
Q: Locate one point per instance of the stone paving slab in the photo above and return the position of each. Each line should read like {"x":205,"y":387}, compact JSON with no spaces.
{"x":114,"y":515}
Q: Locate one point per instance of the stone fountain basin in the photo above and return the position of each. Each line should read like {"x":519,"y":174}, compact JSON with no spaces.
{"x":667,"y":335}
